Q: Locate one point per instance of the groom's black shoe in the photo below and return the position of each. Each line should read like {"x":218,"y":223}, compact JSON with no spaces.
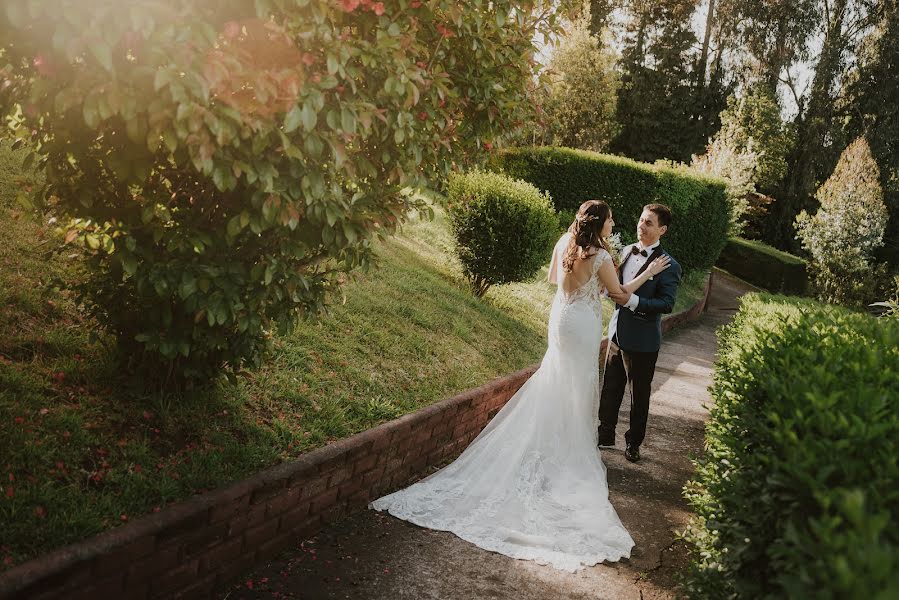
{"x":632,"y":453}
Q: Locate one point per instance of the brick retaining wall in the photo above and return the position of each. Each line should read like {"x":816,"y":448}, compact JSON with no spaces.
{"x":194,"y":546}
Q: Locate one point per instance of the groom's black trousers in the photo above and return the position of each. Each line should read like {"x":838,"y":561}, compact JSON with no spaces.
{"x":641,"y":368}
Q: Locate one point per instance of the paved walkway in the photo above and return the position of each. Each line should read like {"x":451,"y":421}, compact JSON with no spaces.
{"x":372,"y":556}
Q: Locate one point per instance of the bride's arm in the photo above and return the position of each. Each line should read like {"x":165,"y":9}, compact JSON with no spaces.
{"x":551,"y":276}
{"x":622,"y":293}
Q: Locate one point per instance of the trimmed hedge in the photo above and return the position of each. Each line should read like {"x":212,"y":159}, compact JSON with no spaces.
{"x":504,"y":228}
{"x":699,"y":203}
{"x":764,"y":266}
{"x":797,"y":494}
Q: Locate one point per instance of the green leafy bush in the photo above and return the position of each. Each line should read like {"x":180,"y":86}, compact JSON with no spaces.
{"x":797,"y":495}
{"x":225,"y":162}
{"x":504,"y":228}
{"x":764,"y":266}
{"x":849,"y":226}
{"x":698,"y":203}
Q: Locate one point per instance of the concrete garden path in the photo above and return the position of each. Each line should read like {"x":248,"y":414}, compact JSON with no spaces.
{"x":373,"y":556}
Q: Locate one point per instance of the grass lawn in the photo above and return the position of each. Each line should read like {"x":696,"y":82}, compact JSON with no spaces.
{"x":81,"y":451}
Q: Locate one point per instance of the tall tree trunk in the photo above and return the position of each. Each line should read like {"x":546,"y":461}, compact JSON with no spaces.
{"x":777,"y":58}
{"x":702,"y":67}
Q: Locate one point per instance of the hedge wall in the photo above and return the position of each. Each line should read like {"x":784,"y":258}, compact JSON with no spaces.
{"x":699,"y":204}
{"x":764,"y":266}
{"x":797,"y":495}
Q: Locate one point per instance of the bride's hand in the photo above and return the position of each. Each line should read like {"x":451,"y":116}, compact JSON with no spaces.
{"x":660,"y":264}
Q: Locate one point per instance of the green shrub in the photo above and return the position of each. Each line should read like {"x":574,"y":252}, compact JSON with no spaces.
{"x":797,"y":495}
{"x":504,"y":228}
{"x":764,"y":266}
{"x":566,"y":218}
{"x":849,"y":226}
{"x":699,"y":203}
{"x":226,"y":162}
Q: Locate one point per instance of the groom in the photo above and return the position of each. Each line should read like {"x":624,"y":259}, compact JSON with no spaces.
{"x":635,"y":332}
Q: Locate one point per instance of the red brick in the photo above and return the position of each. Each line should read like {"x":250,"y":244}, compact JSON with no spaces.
{"x":382,"y":442}
{"x":357,"y":451}
{"x":442,"y":428}
{"x":399,"y":477}
{"x":173,"y":580}
{"x":267,"y":490}
{"x":339,"y":475}
{"x":349,"y":488}
{"x":224,"y":552}
{"x":161,"y":560}
{"x":292,"y":518}
{"x":393,"y":464}
{"x":324,"y":501}
{"x":199,"y":542}
{"x":120,"y":558}
{"x":255,"y":536}
{"x":365,"y":463}
{"x":283,"y":502}
{"x":373,"y":476}
{"x":227,"y":511}
{"x":314,"y":487}
{"x":331,"y":462}
{"x":252,"y":518}
{"x":190,"y":522}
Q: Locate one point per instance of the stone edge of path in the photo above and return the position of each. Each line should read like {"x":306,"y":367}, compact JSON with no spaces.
{"x":190,"y":548}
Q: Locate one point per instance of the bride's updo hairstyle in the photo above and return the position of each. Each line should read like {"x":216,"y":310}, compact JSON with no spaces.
{"x":586,"y":233}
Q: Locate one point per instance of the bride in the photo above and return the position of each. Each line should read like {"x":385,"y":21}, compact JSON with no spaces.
{"x":532,"y":485}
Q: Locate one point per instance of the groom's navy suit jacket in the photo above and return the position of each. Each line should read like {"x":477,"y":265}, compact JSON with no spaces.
{"x":641,"y":330}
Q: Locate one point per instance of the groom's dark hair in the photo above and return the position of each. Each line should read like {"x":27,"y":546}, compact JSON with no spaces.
{"x":661,"y":211}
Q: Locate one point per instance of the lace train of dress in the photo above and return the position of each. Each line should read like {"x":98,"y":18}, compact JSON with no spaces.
{"x":532,"y":485}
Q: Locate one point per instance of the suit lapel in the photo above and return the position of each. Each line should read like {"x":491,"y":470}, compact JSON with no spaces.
{"x":655,"y":254}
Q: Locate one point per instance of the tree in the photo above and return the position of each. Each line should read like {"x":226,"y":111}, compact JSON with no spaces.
{"x":656,"y":100}
{"x":818,"y":139}
{"x":750,"y":151}
{"x":870,"y":106}
{"x":580,"y":108}
{"x":848,"y":227}
{"x":224,"y":163}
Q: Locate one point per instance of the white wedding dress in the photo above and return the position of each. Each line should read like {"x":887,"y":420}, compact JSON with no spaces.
{"x":532,"y":485}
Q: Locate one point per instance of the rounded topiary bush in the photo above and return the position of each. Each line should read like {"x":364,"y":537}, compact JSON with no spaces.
{"x":504,"y":228}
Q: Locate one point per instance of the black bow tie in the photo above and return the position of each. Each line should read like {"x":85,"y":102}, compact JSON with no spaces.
{"x":634,"y":250}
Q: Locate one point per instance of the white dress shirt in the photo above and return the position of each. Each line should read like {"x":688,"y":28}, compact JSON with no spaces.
{"x":628,"y":273}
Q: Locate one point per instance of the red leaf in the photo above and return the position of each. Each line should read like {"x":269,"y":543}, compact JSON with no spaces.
{"x":10,"y":492}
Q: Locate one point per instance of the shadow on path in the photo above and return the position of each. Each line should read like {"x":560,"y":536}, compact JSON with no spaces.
{"x":373,"y":556}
